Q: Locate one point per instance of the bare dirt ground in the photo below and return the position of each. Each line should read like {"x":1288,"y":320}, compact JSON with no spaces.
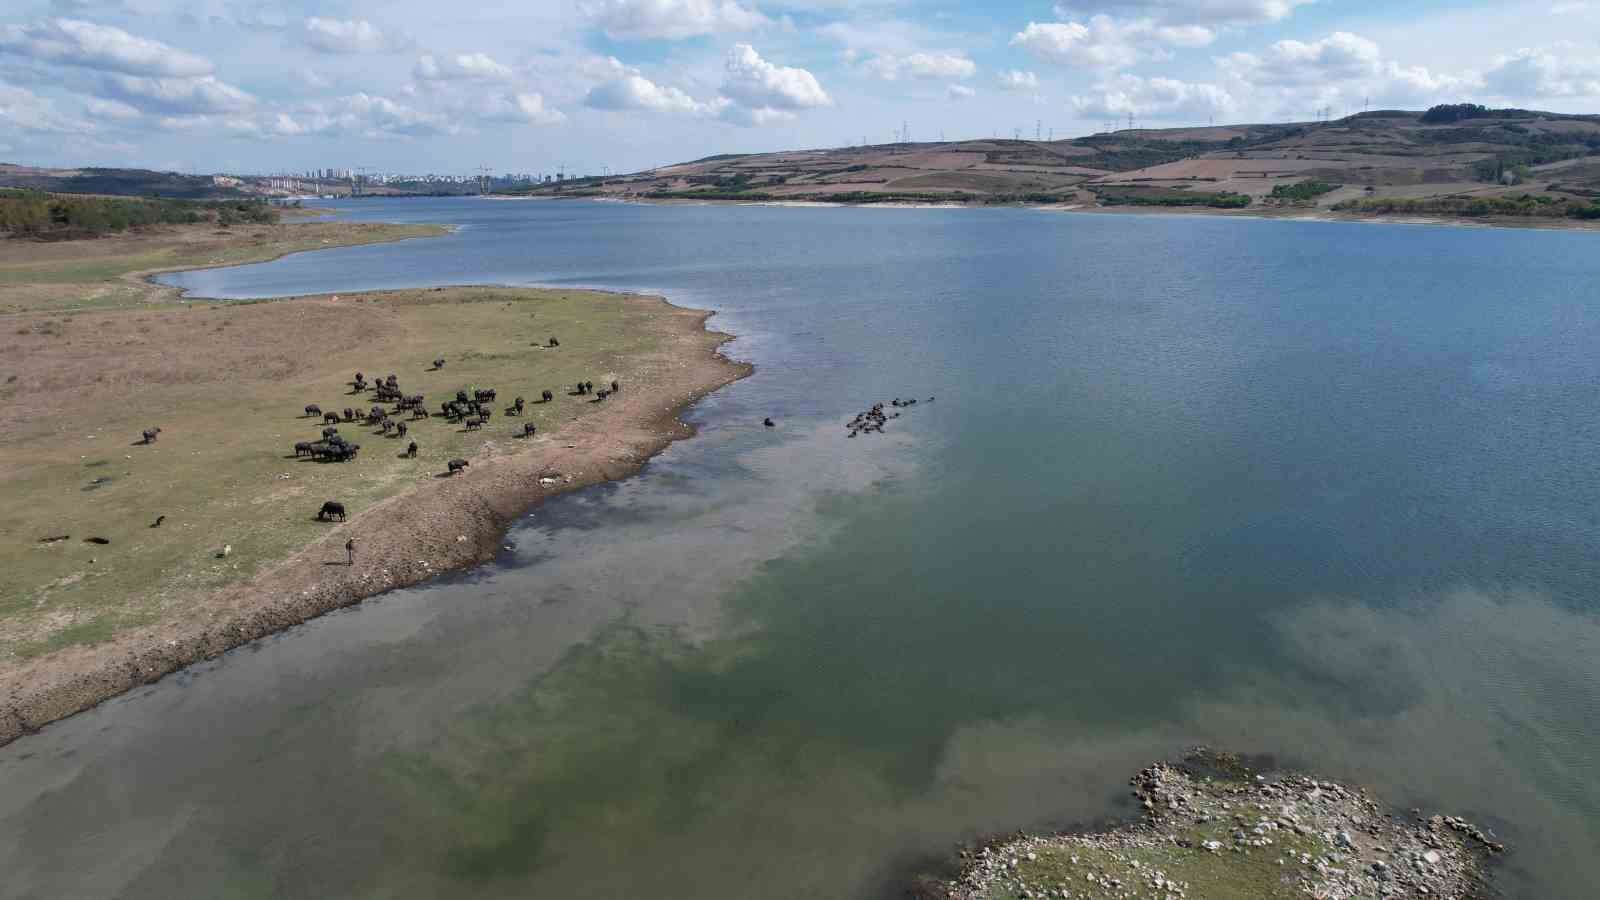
{"x":85,"y":622}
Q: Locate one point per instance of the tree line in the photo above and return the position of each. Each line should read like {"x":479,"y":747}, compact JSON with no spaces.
{"x":38,"y":214}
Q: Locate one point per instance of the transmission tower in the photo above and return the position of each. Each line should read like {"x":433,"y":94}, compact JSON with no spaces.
{"x":483,"y":179}
{"x":358,"y":177}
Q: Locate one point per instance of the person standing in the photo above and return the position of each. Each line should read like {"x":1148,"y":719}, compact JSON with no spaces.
{"x":350,"y":551}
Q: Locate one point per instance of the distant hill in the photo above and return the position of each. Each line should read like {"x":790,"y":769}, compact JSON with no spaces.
{"x":118,"y":182}
{"x":1460,"y":159}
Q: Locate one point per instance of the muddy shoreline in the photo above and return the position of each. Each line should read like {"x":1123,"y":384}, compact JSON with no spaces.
{"x":444,"y":525}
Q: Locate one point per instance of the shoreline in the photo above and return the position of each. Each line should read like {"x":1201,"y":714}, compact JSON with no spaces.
{"x":433,"y":528}
{"x":1214,"y":825}
{"x":1292,"y":215}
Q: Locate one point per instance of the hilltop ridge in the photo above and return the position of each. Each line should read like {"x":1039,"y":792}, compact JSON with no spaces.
{"x":1461,"y":160}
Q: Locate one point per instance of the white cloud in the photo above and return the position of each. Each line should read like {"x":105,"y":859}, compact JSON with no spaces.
{"x":1154,"y":98}
{"x":1018,"y":80}
{"x":24,"y":112}
{"x":922,"y":65}
{"x":758,"y":91}
{"x":177,"y":96}
{"x":526,"y":107}
{"x":1188,"y":12}
{"x":75,"y":43}
{"x":960,"y":92}
{"x":363,"y":115}
{"x":671,"y":19}
{"x":1339,"y":56}
{"x":348,"y":36}
{"x":1562,"y":70}
{"x":1105,"y":42}
{"x":461,"y":67}
{"x":110,"y":109}
{"x":633,"y":91}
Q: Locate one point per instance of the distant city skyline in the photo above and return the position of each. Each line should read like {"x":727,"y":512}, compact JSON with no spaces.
{"x":623,"y":85}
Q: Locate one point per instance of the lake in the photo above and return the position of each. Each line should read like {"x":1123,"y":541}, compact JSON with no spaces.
{"x":1326,"y":491}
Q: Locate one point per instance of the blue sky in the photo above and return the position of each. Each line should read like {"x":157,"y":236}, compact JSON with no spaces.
{"x":419,"y":85}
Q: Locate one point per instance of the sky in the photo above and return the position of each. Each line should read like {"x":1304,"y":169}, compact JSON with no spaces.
{"x":588,"y":86}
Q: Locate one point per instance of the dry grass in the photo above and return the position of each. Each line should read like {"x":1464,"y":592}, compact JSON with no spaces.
{"x":227,"y":383}
{"x":102,"y":273}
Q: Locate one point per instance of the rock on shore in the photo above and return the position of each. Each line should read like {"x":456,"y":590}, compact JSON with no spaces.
{"x":1213,"y":828}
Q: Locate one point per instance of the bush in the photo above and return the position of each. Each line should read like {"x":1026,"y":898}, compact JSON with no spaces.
{"x":1305,"y":190}
{"x":37,"y":214}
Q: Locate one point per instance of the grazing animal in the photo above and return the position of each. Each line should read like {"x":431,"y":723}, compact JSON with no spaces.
{"x":399,"y":429}
{"x":516,"y":408}
{"x":474,"y":424}
{"x":419,"y":413}
{"x":303,"y":448}
{"x":438,"y":363}
{"x":768,"y":422}
{"x":546,"y":396}
{"x":330,"y":509}
{"x":528,"y":429}
{"x":411,"y":450}
{"x":554,"y":342}
{"x":329,"y":432}
{"x":483,"y":395}
{"x":359,"y":379}
{"x":349,"y":414}
{"x":313,"y":410}
{"x":150,"y":435}
{"x":158,"y":521}
{"x":588,"y":387}
{"x":615,"y":387}
{"x":387,"y":425}
{"x":457,"y":465}
{"x":330,"y":417}
{"x":580,"y":387}
{"x":461,"y":396}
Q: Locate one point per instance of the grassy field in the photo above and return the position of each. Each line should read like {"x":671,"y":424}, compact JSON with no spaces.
{"x":226,"y":383}
{"x":103,"y":273}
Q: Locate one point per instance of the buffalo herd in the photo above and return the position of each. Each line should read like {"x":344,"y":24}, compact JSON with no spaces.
{"x":471,"y":409}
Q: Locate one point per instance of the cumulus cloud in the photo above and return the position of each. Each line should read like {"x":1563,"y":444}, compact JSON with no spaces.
{"x":348,"y":36}
{"x":921,"y":65}
{"x":1154,"y":98}
{"x":1339,"y":56}
{"x":524,"y":107}
{"x":114,"y":110}
{"x":76,"y":43}
{"x":766,"y":89}
{"x":960,"y":92}
{"x":1559,"y":71}
{"x":24,"y":112}
{"x":632,"y":91}
{"x":364,"y":115}
{"x":1018,"y":80}
{"x":1105,"y":42}
{"x":670,"y":19}
{"x":461,"y":67}
{"x":1187,"y":12}
{"x":177,"y":96}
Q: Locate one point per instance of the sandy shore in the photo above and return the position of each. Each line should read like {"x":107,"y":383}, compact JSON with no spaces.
{"x":438,"y":526}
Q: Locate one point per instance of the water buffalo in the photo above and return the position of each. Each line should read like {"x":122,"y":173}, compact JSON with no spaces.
{"x":150,"y":435}
{"x":546,"y":396}
{"x":329,"y":432}
{"x":399,"y":429}
{"x":474,"y":424}
{"x":438,"y":363}
{"x":516,"y":408}
{"x":411,"y":450}
{"x":330,"y":509}
{"x":457,"y":465}
{"x":387,"y":425}
{"x":303,"y":448}
{"x":554,"y":342}
{"x":313,"y":410}
{"x":349,"y":414}
{"x":528,"y":429}
{"x":768,"y":422}
{"x":615,"y":387}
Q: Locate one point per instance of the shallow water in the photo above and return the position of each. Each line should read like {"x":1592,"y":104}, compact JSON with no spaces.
{"x":1322,"y":490}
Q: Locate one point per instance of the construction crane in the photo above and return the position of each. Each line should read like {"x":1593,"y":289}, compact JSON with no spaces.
{"x":483,"y":179}
{"x":358,"y":176}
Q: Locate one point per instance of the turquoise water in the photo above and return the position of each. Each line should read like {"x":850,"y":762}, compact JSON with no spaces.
{"x":1326,"y":491}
